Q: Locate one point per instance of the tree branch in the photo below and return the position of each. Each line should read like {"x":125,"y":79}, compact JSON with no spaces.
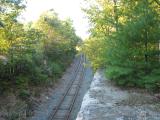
{"x":157,"y":1}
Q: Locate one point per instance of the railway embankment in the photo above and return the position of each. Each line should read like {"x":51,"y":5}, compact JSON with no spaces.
{"x":64,"y":101}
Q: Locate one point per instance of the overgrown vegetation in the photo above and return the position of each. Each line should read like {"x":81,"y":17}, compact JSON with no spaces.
{"x":124,"y":39}
{"x":33,"y":54}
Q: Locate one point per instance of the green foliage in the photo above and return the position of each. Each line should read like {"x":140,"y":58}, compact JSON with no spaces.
{"x":24,"y":94}
{"x":29,"y":54}
{"x":22,"y":82}
{"x":118,"y":72}
{"x":152,"y":81}
{"x":125,"y":40}
{"x":56,"y":69}
{"x":94,"y":52}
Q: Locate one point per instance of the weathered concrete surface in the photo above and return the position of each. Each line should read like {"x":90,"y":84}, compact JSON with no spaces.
{"x":104,"y":101}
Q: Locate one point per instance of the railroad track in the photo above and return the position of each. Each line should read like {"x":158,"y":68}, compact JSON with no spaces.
{"x":65,"y":106}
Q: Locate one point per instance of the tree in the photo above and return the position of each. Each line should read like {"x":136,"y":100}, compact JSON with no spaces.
{"x":30,"y":54}
{"x":129,"y":31}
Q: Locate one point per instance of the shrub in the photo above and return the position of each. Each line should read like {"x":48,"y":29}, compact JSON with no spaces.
{"x":22,"y":82}
{"x":24,"y":94}
{"x":152,"y":80}
{"x":56,"y":69}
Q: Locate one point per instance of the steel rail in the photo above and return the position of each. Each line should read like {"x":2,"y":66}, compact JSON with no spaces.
{"x":67,"y":117}
{"x":52,"y":115}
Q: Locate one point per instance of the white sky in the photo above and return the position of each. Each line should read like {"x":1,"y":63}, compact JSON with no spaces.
{"x":64,"y":8}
